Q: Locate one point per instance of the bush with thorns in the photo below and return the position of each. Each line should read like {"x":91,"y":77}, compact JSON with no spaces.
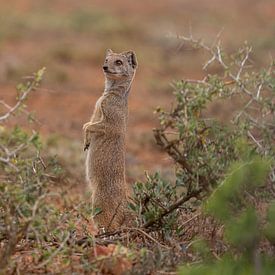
{"x":204,"y":150}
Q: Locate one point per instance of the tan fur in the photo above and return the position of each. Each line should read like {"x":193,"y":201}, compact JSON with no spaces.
{"x":104,"y":137}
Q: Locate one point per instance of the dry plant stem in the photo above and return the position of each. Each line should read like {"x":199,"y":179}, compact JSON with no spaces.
{"x":23,"y":94}
{"x":14,"y":236}
{"x":216,"y":53}
{"x":125,"y":233}
{"x":18,"y":104}
{"x":171,"y":149}
{"x":23,"y":111}
{"x":191,"y":219}
{"x":172,"y":208}
{"x":55,"y":252}
{"x":10,"y":154}
{"x":139,"y":230}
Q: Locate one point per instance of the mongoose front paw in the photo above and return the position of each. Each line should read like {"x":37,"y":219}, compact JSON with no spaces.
{"x":87,"y":136}
{"x":86,"y":146}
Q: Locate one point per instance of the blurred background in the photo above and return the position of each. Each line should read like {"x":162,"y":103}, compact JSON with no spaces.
{"x":70,"y":38}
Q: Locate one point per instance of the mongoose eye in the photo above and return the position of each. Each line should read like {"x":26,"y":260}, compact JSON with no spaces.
{"x":118,"y":62}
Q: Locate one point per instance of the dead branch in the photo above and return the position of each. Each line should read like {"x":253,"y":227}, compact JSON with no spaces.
{"x":7,"y":159}
{"x":173,"y":207}
{"x":12,"y":110}
{"x":23,"y":94}
{"x":171,"y":149}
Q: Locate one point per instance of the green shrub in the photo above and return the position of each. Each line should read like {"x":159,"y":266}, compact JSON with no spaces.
{"x":229,"y":162}
{"x":24,"y":177}
{"x":243,"y":232}
{"x":42,"y":230}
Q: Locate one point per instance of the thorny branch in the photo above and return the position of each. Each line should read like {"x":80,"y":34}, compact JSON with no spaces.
{"x":171,"y":149}
{"x":172,"y":208}
{"x":14,"y":233}
{"x":9,"y":155}
{"x":18,"y":104}
{"x":23,"y":91}
{"x":216,"y":53}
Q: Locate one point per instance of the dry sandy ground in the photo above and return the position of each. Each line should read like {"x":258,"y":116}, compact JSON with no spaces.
{"x":70,"y":37}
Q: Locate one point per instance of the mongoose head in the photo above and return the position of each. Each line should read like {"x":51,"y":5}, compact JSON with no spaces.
{"x":119,"y":65}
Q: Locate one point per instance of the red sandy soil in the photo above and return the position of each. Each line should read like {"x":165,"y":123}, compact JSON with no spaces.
{"x":62,"y":106}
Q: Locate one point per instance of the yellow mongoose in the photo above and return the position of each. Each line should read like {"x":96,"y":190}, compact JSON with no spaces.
{"x":104,"y":138}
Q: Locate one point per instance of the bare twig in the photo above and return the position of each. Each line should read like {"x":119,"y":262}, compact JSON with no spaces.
{"x":30,"y":86}
{"x":191,"y":219}
{"x":171,"y":149}
{"x":172,"y":208}
{"x":248,"y":51}
{"x":23,"y":111}
{"x":19,"y":102}
{"x":216,"y":55}
{"x":142,"y":232}
{"x":11,"y":154}
{"x":54,"y":253}
{"x":9,"y":163}
{"x":254,"y":139}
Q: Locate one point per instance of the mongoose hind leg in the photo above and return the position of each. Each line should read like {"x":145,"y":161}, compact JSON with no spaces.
{"x":110,"y":218}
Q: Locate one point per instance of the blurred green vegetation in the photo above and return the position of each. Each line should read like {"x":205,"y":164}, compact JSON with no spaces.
{"x":230,"y":204}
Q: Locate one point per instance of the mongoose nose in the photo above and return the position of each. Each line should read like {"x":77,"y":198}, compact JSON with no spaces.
{"x":105,"y":68}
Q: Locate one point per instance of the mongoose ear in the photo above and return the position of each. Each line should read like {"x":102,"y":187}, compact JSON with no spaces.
{"x":109,"y":51}
{"x":132,"y":58}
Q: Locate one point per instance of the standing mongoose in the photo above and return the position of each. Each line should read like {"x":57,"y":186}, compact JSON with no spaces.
{"x":104,"y":138}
